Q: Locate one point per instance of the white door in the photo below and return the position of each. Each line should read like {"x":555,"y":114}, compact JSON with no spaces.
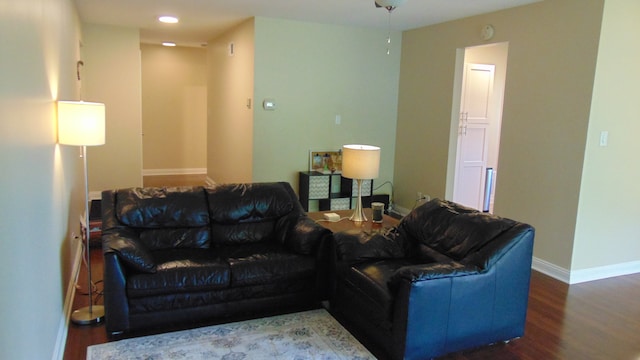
{"x":473,"y":135}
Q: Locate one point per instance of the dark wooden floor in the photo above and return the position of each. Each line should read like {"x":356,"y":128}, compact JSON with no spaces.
{"x":593,"y":320}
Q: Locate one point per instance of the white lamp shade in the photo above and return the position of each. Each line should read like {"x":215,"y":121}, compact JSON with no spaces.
{"x":81,"y":123}
{"x":360,"y":161}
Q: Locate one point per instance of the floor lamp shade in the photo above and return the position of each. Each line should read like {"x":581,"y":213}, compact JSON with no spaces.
{"x":360,"y":162}
{"x":81,"y":123}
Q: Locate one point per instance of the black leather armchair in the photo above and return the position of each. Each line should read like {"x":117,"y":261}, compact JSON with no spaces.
{"x":447,"y":278}
{"x":176,"y":256}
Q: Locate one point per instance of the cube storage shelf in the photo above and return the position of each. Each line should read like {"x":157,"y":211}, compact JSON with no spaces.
{"x":332,"y":191}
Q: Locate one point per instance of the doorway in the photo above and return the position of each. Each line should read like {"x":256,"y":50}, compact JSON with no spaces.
{"x":475,"y":125}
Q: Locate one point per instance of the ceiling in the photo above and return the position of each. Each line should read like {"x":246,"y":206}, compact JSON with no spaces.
{"x":202,"y":20}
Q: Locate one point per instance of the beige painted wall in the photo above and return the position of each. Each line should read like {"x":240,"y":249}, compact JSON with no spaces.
{"x":607,"y":230}
{"x":551,"y":65}
{"x":315,"y":72}
{"x":112,"y":75}
{"x":229,"y":119}
{"x":174,"y":109}
{"x":42,"y":182}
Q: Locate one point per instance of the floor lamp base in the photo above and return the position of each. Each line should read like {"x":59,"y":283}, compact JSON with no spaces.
{"x":88,"y":315}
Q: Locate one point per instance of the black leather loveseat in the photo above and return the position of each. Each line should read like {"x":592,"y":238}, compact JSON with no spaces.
{"x":187,"y":255}
{"x":447,"y":278}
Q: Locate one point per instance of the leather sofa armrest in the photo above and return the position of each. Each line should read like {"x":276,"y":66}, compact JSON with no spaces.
{"x":431,"y":271}
{"x":126,"y":245}
{"x":116,"y":305}
{"x":305,"y":236}
{"x":354,"y":247}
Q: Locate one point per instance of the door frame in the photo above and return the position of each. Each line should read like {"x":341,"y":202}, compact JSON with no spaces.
{"x":455,"y":115}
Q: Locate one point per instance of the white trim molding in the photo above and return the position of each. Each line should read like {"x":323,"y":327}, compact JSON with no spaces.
{"x":184,"y":171}
{"x":63,"y":328}
{"x":553,"y":270}
{"x":603,"y":272}
{"x":209,"y":181}
{"x":585,"y":275}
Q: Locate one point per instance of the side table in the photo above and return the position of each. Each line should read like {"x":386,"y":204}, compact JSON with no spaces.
{"x":346,"y":225}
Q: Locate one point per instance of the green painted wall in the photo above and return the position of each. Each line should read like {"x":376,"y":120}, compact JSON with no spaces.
{"x":315,"y":72}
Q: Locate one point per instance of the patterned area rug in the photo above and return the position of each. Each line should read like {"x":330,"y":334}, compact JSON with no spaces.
{"x":305,"y":335}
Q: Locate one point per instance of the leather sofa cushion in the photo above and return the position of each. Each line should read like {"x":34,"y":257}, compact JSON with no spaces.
{"x":132,"y":253}
{"x":449,"y":229}
{"x":243,"y":233}
{"x":265,"y":263}
{"x":177,"y":271}
{"x":358,"y":245}
{"x":247,"y":213}
{"x":470,"y":232}
{"x":229,"y":301}
{"x":162,"y":207}
{"x":235,"y":203}
{"x":169,"y":238}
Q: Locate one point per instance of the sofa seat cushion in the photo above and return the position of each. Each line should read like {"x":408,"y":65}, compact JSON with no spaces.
{"x":265,"y":263}
{"x":228,"y":301}
{"x":181,"y":270}
{"x":369,"y":280}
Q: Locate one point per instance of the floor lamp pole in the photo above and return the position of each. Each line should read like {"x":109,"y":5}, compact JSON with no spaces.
{"x":90,"y":314}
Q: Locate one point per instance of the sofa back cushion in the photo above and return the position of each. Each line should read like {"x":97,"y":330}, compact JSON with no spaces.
{"x":451,"y":229}
{"x":248,"y":213}
{"x":166,"y":217}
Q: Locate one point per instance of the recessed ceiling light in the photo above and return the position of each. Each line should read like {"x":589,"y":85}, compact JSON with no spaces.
{"x":168,"y":43}
{"x":168,"y":19}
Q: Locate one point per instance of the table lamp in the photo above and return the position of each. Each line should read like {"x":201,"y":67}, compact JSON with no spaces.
{"x":360,"y":162}
{"x":82,"y":123}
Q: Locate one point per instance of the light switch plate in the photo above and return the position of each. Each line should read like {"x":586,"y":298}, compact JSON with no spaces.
{"x":604,"y":138}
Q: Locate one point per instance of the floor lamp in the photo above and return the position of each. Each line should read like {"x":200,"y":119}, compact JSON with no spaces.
{"x":83,"y":124}
{"x":360,"y":162}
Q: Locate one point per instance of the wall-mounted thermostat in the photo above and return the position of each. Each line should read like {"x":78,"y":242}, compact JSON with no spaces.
{"x":269,"y":104}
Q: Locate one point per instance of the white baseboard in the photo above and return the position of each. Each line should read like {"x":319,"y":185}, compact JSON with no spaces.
{"x":603,"y":272}
{"x":209,"y":181}
{"x":547,"y":268}
{"x":63,"y":328}
{"x":185,"y":171}
{"x":585,"y":275}
{"x":399,"y":210}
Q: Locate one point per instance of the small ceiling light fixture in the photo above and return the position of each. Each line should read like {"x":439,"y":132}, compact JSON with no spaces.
{"x":390,"y":5}
{"x":168,"y":19}
{"x":168,"y":43}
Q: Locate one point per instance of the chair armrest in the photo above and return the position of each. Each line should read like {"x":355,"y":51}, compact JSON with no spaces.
{"x":415,"y":273}
{"x":126,"y":245}
{"x":305,"y":236}
{"x":354,"y":247}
